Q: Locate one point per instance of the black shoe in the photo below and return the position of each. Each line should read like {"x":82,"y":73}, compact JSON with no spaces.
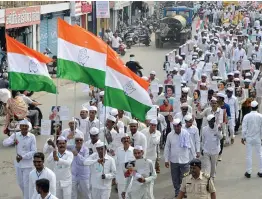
{"x":259,"y":175}
{"x":248,"y":175}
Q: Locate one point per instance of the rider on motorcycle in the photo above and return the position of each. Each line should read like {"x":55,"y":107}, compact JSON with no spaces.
{"x":133,"y":65}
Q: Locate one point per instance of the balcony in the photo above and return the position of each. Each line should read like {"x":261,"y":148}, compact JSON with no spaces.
{"x":17,"y":4}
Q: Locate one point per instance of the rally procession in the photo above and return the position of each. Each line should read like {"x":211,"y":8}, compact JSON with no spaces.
{"x":130,"y":100}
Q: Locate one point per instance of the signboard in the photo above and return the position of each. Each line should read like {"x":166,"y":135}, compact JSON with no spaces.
{"x":20,"y":17}
{"x":79,"y":8}
{"x":102,"y":9}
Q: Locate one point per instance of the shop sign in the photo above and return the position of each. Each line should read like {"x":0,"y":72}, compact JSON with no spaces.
{"x":19,"y":17}
{"x":79,"y":8}
{"x":102,"y":9}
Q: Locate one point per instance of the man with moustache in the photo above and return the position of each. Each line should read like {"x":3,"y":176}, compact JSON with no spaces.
{"x":124,"y":154}
{"x":41,"y":172}
{"x":91,"y":122}
{"x":62,"y":160}
{"x":197,"y":178}
{"x":25,"y":148}
{"x":82,"y":121}
{"x":91,"y":144}
{"x":80,"y":172}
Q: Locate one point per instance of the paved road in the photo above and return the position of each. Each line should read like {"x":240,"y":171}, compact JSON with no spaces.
{"x":230,"y":182}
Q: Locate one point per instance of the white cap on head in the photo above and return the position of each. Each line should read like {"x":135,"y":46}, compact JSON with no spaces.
{"x":175,"y":69}
{"x":210,"y":117}
{"x":188,"y":117}
{"x":111,"y":118}
{"x":61,"y":138}
{"x":221,"y":95}
{"x":213,"y":99}
{"x":237,"y":72}
{"x":236,"y":79}
{"x":94,"y":131}
{"x":184,"y":105}
{"x":160,"y":86}
{"x":102,"y":93}
{"x":247,"y":80}
{"x":254,"y":104}
{"x":180,"y":58}
{"x":248,"y":74}
{"x":84,"y":109}
{"x":79,"y":136}
{"x":153,"y":72}
{"x":120,"y":124}
{"x":153,"y":121}
{"x":114,"y":112}
{"x":230,"y":74}
{"x":24,"y":122}
{"x":137,"y":147}
{"x":182,"y":69}
{"x":231,"y":89}
{"x":73,"y":120}
{"x":204,"y":75}
{"x":133,"y":122}
{"x":100,"y":144}
{"x":185,"y":89}
{"x":145,"y":78}
{"x":92,"y":108}
{"x":176,"y":121}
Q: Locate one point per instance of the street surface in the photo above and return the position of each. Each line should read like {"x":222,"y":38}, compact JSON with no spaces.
{"x":230,"y":181}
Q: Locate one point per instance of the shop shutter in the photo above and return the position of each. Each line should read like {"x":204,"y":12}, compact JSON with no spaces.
{"x":43,"y":35}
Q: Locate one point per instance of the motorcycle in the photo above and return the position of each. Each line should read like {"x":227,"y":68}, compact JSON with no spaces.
{"x":122,"y":49}
{"x":129,"y":42}
{"x":145,"y":39}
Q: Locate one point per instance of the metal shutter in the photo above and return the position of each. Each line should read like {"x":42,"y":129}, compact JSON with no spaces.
{"x":43,"y":35}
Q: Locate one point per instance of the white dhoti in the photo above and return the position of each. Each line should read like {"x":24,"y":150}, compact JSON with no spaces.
{"x":23,"y":180}
{"x":210,"y":164}
{"x":81,"y":189}
{"x":250,"y":143}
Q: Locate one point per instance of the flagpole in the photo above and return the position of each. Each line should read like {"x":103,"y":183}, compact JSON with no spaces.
{"x":56,"y":105}
{"x":74,"y":106}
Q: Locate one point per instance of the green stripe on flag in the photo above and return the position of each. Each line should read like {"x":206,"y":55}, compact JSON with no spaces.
{"x":73,"y":71}
{"x":31,"y":82}
{"x":116,"y":98}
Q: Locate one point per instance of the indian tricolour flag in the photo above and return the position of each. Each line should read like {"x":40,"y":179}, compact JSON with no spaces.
{"x":27,"y":68}
{"x":124,"y":89}
{"x":81,"y":55}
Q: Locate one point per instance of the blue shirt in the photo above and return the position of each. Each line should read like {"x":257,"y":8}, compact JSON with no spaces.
{"x":227,"y":107}
{"x":79,"y":170}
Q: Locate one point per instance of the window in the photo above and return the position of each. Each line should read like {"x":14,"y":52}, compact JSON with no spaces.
{"x":184,"y":14}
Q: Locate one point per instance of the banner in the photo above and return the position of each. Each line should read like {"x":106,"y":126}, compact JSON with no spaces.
{"x":102,"y":9}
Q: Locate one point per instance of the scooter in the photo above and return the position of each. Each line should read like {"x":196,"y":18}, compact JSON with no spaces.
{"x":122,"y":49}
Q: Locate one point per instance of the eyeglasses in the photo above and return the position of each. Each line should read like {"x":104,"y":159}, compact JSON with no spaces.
{"x":79,"y":140}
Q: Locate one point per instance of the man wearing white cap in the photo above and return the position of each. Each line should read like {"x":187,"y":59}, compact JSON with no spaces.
{"x":137,"y":138}
{"x":177,"y":153}
{"x":62,"y":160}
{"x":26,"y":148}
{"x":94,"y":139}
{"x":194,"y":133}
{"x":80,"y":172}
{"x":257,"y":55}
{"x":184,"y":111}
{"x":92,"y":121}
{"x":103,"y":170}
{"x":153,"y":140}
{"x":124,"y":154}
{"x":211,"y":137}
{"x":82,"y":121}
{"x":251,"y":137}
{"x":138,"y":182}
{"x":123,"y":118}
{"x":239,"y":55}
{"x":232,"y":101}
{"x":108,"y":135}
{"x":154,"y":84}
{"x":70,"y":133}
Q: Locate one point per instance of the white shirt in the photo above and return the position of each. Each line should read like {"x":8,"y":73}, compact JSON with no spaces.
{"x":34,"y":176}
{"x":71,"y":142}
{"x":111,"y":144}
{"x":62,"y":168}
{"x":153,"y":140}
{"x":26,"y":148}
{"x":233,"y":103}
{"x":173,"y":152}
{"x":89,"y":125}
{"x":252,"y":126}
{"x":194,"y":134}
{"x":91,"y":147}
{"x":82,"y":125}
{"x":211,"y":140}
{"x":115,"y":41}
{"x":139,"y":139}
{"x":123,"y":157}
{"x":97,"y":171}
{"x":258,"y":55}
{"x":239,"y":54}
{"x":49,"y":196}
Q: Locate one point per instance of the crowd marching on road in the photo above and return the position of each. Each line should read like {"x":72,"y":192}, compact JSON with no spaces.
{"x":212,"y":93}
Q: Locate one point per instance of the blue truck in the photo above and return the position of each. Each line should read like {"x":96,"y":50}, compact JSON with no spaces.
{"x":175,"y":26}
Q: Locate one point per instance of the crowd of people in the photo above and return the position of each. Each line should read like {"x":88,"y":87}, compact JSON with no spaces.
{"x":213,"y":87}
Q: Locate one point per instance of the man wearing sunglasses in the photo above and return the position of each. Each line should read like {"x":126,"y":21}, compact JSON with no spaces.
{"x":41,"y":172}
{"x":80,"y":172}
